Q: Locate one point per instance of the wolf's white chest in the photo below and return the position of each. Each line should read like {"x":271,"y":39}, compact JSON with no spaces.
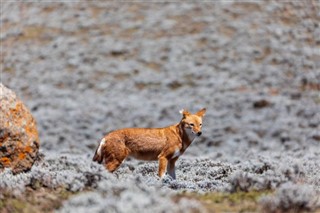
{"x":176,"y":153}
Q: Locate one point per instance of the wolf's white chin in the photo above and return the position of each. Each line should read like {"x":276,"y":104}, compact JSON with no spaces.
{"x":191,"y":134}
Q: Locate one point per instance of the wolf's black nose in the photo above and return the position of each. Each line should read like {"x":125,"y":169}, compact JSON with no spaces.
{"x":199,"y":133}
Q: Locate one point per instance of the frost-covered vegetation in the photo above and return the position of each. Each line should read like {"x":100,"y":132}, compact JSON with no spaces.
{"x":86,"y":68}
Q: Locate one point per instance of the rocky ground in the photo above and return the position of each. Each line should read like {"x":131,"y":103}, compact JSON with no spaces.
{"x":86,"y":68}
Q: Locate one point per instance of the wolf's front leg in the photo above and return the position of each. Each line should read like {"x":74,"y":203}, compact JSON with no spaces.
{"x":171,"y":168}
{"x":163,"y":162}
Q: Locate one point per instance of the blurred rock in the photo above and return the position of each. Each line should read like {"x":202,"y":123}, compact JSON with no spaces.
{"x":291,"y":197}
{"x":261,"y":104}
{"x":19,"y":141}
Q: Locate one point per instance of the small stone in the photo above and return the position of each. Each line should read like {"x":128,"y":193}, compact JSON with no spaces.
{"x":261,"y":104}
{"x":316,"y":137}
{"x":19,"y":140}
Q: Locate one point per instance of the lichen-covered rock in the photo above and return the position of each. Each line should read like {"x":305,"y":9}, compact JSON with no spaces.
{"x":19,"y":141}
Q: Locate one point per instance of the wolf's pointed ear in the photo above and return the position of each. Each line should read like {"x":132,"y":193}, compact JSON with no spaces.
{"x":184,"y":113}
{"x":202,"y":112}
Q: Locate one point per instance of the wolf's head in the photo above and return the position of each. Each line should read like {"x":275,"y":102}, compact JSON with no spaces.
{"x":192,"y":123}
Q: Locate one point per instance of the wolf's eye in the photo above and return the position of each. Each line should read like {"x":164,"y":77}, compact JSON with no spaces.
{"x":200,"y":124}
{"x":191,"y":124}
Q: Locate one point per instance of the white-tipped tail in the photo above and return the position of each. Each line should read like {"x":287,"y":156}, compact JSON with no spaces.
{"x":98,"y":154}
{"x":102,"y":142}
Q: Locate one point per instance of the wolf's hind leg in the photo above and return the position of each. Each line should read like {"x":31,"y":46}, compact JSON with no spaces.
{"x":114,"y":160}
{"x":112,"y":165}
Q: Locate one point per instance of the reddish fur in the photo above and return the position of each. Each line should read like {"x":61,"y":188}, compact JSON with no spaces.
{"x":150,"y":143}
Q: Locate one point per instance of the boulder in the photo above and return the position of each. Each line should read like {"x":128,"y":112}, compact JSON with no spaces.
{"x":19,"y":140}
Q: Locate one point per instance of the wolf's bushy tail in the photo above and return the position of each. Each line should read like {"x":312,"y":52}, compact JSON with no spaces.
{"x":98,"y":155}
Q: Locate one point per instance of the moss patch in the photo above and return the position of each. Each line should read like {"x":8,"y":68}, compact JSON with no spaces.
{"x":40,"y":200}
{"x":229,"y":202}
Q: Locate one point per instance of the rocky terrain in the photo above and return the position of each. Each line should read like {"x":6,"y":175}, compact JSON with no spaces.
{"x":19,"y":139}
{"x":86,"y":68}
